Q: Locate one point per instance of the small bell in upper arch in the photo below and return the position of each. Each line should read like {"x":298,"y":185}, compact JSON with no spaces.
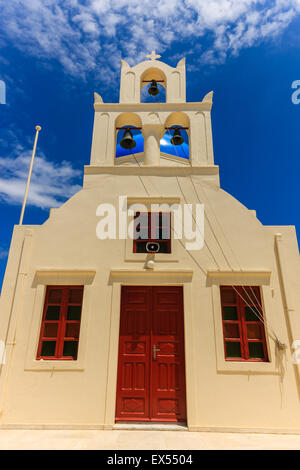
{"x":177,"y":138}
{"x":128,"y":141}
{"x":153,"y":89}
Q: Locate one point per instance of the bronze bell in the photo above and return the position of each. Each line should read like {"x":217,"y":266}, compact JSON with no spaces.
{"x":153,"y":89}
{"x":177,"y":138}
{"x":128,"y":141}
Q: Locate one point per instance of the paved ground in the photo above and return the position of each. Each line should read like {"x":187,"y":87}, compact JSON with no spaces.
{"x":157,"y":440}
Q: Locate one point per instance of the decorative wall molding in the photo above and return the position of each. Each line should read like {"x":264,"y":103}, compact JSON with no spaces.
{"x":63,"y":276}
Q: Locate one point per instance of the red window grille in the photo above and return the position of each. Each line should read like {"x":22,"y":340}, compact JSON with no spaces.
{"x":60,"y":328}
{"x":243,"y":327}
{"x":152,"y":232}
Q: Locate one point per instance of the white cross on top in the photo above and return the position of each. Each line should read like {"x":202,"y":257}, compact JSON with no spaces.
{"x":153,"y":56}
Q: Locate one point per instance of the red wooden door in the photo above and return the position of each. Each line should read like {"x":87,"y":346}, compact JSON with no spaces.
{"x":168,"y":369}
{"x":151,"y":369}
{"x":134,"y":346}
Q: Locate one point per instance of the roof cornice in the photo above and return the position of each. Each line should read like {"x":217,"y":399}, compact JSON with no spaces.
{"x":163,"y":107}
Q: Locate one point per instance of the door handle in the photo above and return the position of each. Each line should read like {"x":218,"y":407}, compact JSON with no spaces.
{"x":155,"y":350}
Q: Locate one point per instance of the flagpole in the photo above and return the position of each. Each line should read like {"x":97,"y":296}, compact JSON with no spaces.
{"x":37,"y":128}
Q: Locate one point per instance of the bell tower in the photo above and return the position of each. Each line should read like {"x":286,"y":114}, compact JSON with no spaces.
{"x":134,"y":78}
{"x":174,"y":116}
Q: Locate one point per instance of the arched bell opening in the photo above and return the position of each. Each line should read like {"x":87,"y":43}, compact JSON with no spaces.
{"x":130,"y":141}
{"x":153,"y":86}
{"x":129,"y":137}
{"x":147,"y":95}
{"x":175,"y":140}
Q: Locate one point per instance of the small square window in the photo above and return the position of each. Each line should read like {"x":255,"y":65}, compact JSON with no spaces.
{"x":152,"y":232}
{"x":70,"y":349}
{"x":48,"y":348}
{"x":50,"y":330}
{"x":74,"y":312}
{"x":53,"y":312}
{"x":230,"y":313}
{"x":233,"y":349}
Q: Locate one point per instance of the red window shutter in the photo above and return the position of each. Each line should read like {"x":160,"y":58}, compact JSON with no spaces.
{"x":243,"y":326}
{"x":60,"y":327}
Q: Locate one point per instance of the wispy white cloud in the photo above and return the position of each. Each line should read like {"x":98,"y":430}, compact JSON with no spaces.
{"x":3,"y":253}
{"x":92,"y":35}
{"x":51,"y":184}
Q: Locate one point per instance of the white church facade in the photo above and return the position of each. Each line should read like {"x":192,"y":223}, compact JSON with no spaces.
{"x":103,"y":330}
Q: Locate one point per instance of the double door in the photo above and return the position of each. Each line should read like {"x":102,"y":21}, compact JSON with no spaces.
{"x":151,"y":367}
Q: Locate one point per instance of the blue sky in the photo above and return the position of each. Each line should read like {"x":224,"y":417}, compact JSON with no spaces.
{"x":55,"y":54}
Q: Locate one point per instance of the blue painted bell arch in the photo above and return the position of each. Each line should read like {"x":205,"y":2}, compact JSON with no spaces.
{"x":138,"y":137}
{"x":153,"y":73}
{"x":182,"y":151}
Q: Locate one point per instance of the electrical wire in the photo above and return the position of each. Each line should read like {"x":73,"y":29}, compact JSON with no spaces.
{"x":211,"y":227}
{"x":258,"y":315}
{"x":172,"y":228}
{"x":179,"y":185}
{"x":140,"y":175}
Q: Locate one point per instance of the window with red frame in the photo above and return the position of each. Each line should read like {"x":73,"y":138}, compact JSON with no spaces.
{"x":61,"y":323}
{"x":244,"y":332}
{"x":152,"y":232}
